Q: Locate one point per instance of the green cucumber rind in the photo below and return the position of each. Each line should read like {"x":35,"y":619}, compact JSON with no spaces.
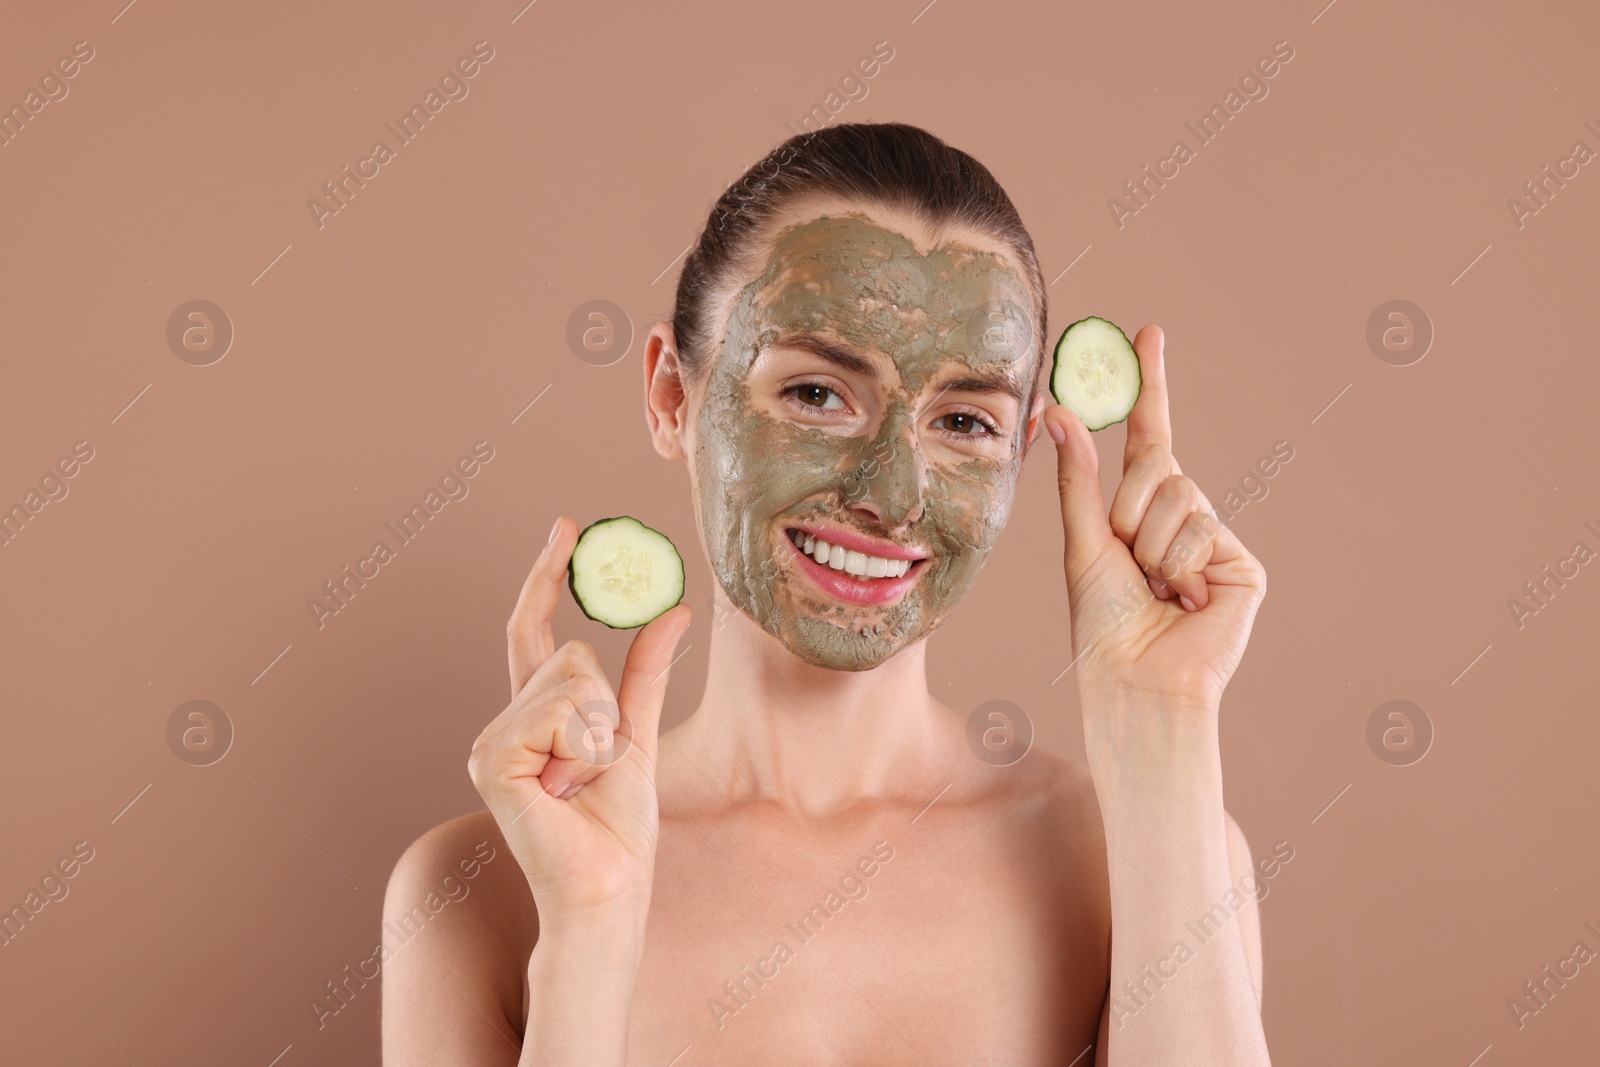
{"x":1055,"y":362}
{"x":572,"y":577}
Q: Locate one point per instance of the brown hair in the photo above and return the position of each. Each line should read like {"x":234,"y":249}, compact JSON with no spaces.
{"x":886,"y":163}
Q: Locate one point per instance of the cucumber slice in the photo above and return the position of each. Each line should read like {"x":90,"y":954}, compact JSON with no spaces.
{"x":623,"y":573}
{"x":1096,"y":372}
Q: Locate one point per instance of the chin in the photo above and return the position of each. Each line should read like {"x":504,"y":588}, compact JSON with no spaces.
{"x":828,"y":645}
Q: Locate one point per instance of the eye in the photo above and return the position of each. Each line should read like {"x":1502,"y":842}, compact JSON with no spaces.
{"x":966,"y":424}
{"x":816,"y":395}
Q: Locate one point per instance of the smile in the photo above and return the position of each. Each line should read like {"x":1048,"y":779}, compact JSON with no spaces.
{"x":856,"y":564}
{"x":852,"y":573}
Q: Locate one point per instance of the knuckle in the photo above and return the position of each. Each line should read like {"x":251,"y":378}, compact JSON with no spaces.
{"x":580,"y":651}
{"x":1187,"y":547}
{"x":562,"y":706}
{"x":580,"y":689}
{"x":1065,"y":479}
{"x":478,"y":764}
{"x":1122,"y":521}
{"x":1181,"y":489}
{"x":1151,"y":458}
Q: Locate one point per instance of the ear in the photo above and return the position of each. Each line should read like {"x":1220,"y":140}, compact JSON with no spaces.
{"x":1040,"y":402}
{"x":666,"y":401}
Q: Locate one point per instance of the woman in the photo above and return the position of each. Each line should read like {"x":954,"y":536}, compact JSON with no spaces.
{"x":814,"y":867}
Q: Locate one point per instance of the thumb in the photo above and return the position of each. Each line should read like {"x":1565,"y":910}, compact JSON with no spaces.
{"x":1083,"y":509}
{"x":644,"y":674}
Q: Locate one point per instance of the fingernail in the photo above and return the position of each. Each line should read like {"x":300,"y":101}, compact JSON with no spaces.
{"x":1058,"y":433}
{"x":554,"y":527}
{"x":1188,"y":605}
{"x":571,"y":789}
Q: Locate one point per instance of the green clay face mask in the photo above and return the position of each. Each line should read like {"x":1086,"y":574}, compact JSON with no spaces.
{"x":886,"y":463}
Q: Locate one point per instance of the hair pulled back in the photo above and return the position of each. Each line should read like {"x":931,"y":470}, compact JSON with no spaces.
{"x":889,"y":163}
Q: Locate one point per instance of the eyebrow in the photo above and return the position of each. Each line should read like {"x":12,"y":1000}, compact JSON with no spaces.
{"x":848,"y":359}
{"x":837,"y":354}
{"x":977,"y":383}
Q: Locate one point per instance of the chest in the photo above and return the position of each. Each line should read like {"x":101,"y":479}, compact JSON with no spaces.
{"x":929,"y":944}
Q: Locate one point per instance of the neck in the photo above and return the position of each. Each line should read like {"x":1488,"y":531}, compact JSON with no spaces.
{"x":773,"y":727}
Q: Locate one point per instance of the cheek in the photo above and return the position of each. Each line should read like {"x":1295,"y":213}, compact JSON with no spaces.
{"x":969,"y":504}
{"x":768,"y":448}
{"x":768,"y":462}
{"x":751,"y":468}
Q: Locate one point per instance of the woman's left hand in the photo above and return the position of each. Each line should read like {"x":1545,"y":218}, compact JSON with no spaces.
{"x":1162,"y":595}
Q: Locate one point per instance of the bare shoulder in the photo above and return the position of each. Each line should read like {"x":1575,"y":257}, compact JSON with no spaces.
{"x":1047,"y":854}
{"x":1069,"y":778}
{"x":457,"y":912}
{"x":1060,"y":788}
{"x":1044,"y":813}
{"x":463,"y":858}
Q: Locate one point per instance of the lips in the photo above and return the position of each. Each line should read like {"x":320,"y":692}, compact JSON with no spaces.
{"x":860,"y":542}
{"x":882,"y":572}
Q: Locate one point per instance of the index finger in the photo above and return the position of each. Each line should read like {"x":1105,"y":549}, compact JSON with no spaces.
{"x":1149,"y":422}
{"x":530,"y":640}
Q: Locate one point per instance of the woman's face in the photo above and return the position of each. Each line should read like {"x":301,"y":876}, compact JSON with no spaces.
{"x":871,"y":392}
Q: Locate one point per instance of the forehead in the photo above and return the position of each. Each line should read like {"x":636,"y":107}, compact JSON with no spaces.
{"x":922,"y":236}
{"x":883,"y":279}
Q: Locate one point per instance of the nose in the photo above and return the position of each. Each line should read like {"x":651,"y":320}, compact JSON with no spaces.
{"x":887,"y":483}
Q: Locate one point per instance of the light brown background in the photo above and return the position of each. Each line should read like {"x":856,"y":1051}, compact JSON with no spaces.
{"x":431,"y":310}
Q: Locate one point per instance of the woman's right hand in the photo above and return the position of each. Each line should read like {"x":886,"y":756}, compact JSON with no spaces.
{"x":571,"y":787}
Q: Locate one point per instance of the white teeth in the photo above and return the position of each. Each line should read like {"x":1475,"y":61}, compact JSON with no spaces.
{"x":857,"y":564}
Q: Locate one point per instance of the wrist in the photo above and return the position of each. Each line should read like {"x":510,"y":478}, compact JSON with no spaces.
{"x":581,"y":977}
{"x":1132,"y":736}
{"x":608,"y":929}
